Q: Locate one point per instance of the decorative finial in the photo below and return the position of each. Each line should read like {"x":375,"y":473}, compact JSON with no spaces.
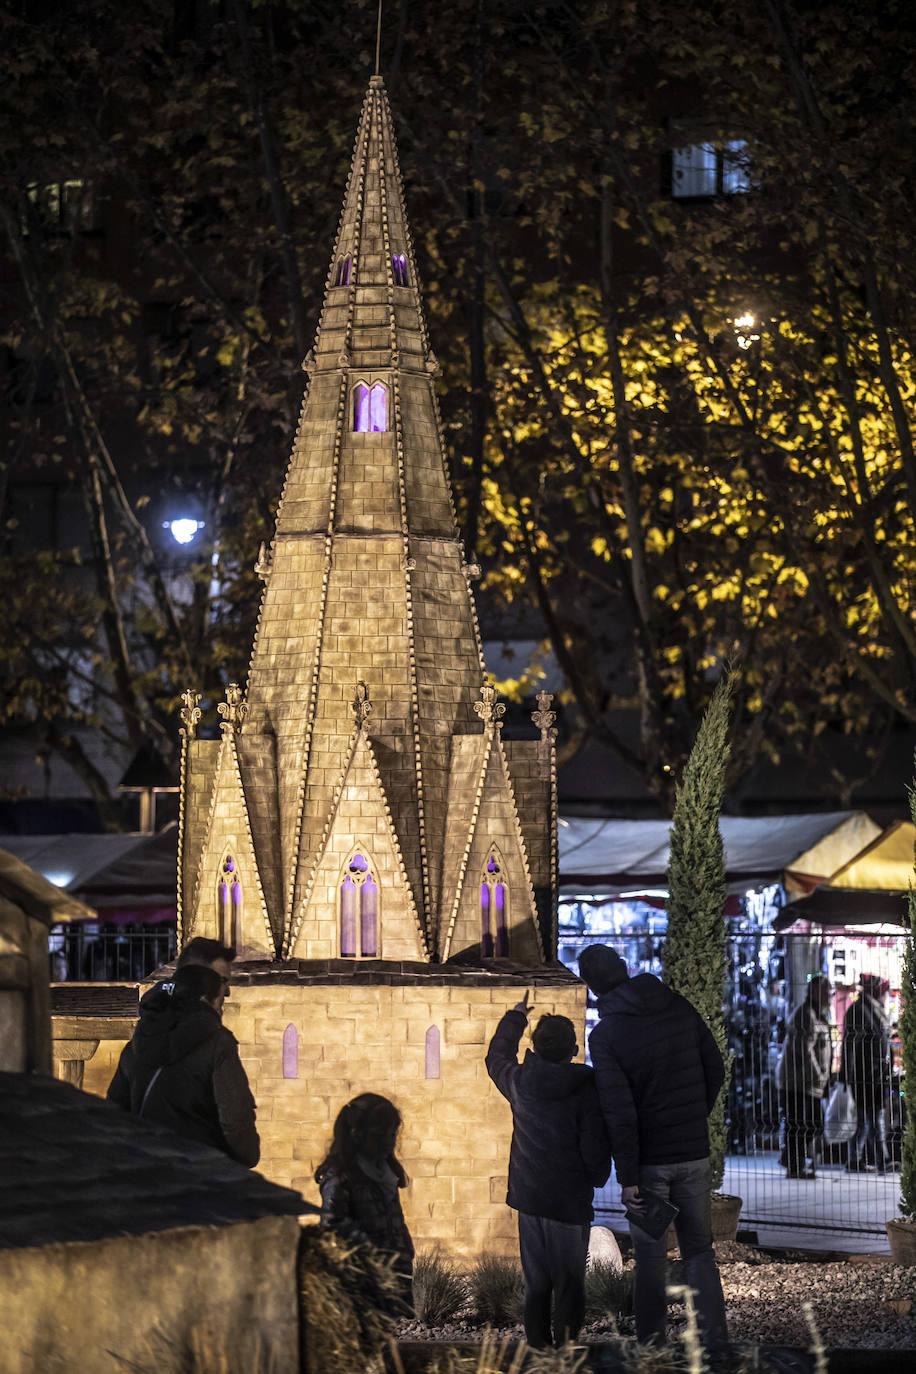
{"x":544,"y":719}
{"x":362,"y":706}
{"x":488,"y":708}
{"x":265,"y":562}
{"x":233,"y":710}
{"x":378,"y":38}
{"x":190,"y":714}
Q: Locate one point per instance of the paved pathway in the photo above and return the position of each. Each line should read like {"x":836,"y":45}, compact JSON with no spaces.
{"x":834,"y":1211}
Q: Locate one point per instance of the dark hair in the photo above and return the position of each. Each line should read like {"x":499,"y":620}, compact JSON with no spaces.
{"x":817,"y":982}
{"x":602,"y":968}
{"x":200,"y":950}
{"x":554,"y":1039}
{"x":195,"y":981}
{"x":368,"y":1112}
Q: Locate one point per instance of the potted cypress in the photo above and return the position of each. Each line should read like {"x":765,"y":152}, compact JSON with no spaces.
{"x":694,"y":959}
{"x":901,"y":1232}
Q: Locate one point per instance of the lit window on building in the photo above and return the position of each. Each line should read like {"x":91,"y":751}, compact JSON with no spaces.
{"x":358,"y":911}
{"x":706,"y":169}
{"x":290,"y":1052}
{"x":494,"y":927}
{"x":229,"y":902}
{"x":399,"y":268}
{"x":342,"y":275}
{"x":432,"y":1052}
{"x":370,"y":408}
{"x":68,"y":206}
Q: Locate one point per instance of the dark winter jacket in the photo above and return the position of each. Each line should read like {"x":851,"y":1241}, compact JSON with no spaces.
{"x":560,"y":1151}
{"x":866,"y":1055}
{"x":658,"y":1071}
{"x":804,"y":1065}
{"x":201,"y":1091}
{"x":365,"y":1207}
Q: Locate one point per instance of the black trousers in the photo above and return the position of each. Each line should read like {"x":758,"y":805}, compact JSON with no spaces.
{"x":804,"y":1129}
{"x":553,"y":1263}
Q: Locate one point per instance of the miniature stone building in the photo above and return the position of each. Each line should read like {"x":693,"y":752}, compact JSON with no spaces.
{"x":385,"y":860}
{"x":123,"y":1246}
{"x":29,"y":906}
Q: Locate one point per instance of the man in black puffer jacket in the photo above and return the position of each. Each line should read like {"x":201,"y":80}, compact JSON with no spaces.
{"x":182,"y":1069}
{"x":659,"y":1071}
{"x":560,"y":1154}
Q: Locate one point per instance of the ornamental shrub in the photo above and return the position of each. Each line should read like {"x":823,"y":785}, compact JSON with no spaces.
{"x":908,"y":1049}
{"x":694,"y":954}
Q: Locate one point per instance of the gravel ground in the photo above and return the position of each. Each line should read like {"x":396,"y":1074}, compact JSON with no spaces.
{"x":865,"y":1303}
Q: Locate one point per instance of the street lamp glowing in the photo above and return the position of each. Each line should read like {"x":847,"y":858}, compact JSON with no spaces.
{"x":183,"y":530}
{"x":744,"y":326}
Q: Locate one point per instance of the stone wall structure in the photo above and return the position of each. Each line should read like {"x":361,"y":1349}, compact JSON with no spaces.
{"x":385,"y":861}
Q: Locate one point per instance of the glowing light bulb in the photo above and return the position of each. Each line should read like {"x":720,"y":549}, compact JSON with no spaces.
{"x":184,"y":529}
{"x":744,"y":324}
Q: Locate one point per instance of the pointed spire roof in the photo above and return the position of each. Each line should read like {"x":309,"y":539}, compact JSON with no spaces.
{"x":365,"y":576}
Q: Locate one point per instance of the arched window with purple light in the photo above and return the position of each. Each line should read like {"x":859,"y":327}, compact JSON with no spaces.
{"x":432,"y":1052}
{"x":494,"y":909}
{"x":290,"y":1052}
{"x":229,"y":902}
{"x":399,"y":269}
{"x":358,"y":910}
{"x":370,"y":408}
{"x":342,"y":275}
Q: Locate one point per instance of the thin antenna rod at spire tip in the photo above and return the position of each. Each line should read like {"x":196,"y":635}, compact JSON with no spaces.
{"x":378,"y":38}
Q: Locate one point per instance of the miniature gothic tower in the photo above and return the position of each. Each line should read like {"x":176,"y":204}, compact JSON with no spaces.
{"x":361,"y":803}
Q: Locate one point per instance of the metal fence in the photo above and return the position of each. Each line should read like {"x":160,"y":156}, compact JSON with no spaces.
{"x":87,"y":952}
{"x":855,"y":1185}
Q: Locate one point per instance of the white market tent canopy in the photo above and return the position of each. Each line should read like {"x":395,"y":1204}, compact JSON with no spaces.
{"x":132,"y":875}
{"x":599,"y":857}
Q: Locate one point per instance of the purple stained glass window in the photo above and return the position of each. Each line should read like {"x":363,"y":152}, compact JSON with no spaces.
{"x":349,"y":899}
{"x":378,"y":408}
{"x":361,"y":408}
{"x":370,"y":408}
{"x":222,"y":912}
{"x":236,"y":913}
{"x":290,"y":1052}
{"x":432,"y":1052}
{"x":368,"y":919}
{"x":502,"y":932}
{"x":342,"y":275}
{"x":399,"y":269}
{"x":486,"y":932}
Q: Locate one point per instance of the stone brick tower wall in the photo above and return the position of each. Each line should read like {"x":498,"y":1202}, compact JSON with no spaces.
{"x":361,"y":831}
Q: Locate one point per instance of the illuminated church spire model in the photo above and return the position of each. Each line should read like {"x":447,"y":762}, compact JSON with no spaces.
{"x":361,"y":803}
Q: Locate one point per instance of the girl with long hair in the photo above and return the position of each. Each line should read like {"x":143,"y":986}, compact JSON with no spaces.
{"x":360,"y":1178}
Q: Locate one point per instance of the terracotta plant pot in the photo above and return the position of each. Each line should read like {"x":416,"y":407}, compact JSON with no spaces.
{"x":725,"y":1212}
{"x":902,"y":1236}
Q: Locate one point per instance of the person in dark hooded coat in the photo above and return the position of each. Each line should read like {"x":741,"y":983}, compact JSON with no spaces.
{"x":559,"y":1154}
{"x":658,"y":1072}
{"x":182,"y":1069}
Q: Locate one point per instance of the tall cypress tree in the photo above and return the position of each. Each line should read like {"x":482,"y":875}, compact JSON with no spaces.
{"x":908,"y":1051}
{"x":694,"y":954}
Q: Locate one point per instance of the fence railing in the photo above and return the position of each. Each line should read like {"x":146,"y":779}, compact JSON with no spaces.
{"x":845,"y":1192}
{"x":115,"y":955}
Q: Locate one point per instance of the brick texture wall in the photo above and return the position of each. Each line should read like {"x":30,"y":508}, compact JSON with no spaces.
{"x":457,"y":1128}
